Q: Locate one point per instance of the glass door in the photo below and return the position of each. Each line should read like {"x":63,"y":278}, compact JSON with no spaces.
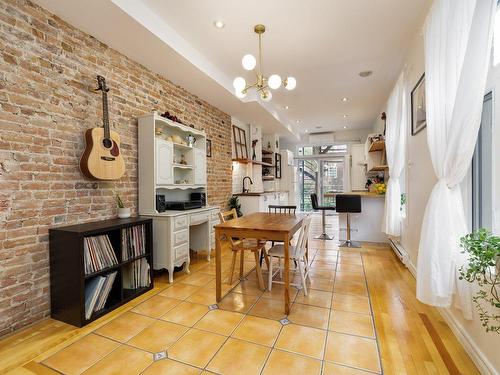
{"x":331,"y":180}
{"x":321,"y":177}
{"x":308,"y":178}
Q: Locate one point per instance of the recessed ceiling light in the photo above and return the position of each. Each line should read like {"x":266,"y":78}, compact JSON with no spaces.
{"x":345,"y":116}
{"x":365,"y":73}
{"x":219,"y":24}
{"x":344,"y":99}
{"x":286,"y":107}
{"x":345,"y":126}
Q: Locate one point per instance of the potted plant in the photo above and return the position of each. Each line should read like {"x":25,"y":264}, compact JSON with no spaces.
{"x":234,"y":202}
{"x":123,"y":212}
{"x":483,"y":268}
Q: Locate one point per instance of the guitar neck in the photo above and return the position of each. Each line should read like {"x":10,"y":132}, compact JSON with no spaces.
{"x":105,"y":116}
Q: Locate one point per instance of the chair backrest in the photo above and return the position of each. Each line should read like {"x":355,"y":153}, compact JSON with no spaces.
{"x":282,"y":209}
{"x":300,"y":247}
{"x":226,"y":216}
{"x":314,"y":201}
{"x":348,"y":203}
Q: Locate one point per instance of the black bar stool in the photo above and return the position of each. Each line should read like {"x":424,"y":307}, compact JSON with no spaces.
{"x":349,"y":204}
{"x":315,"y":206}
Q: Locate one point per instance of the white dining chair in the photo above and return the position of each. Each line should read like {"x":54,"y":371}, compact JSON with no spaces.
{"x":296,"y":253}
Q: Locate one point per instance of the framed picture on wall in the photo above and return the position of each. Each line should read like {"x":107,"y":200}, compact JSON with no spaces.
{"x":240,"y":143}
{"x":418,"y":109}
{"x":277,"y":165}
{"x":209,"y":148}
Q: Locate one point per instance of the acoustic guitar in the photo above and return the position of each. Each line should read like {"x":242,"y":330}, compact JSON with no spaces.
{"x":102,"y":158}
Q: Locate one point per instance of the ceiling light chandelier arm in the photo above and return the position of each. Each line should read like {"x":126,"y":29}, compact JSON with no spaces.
{"x":248,"y":87}
{"x":263,"y":85}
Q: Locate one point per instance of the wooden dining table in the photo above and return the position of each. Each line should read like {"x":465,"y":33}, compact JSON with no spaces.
{"x":260,"y":225}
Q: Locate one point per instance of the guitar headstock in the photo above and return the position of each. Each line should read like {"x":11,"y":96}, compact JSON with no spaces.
{"x":101,"y":81}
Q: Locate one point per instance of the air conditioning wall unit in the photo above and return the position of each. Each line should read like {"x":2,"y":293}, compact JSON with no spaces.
{"x":322,"y":138}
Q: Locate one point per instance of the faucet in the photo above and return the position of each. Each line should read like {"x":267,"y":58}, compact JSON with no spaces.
{"x":251,"y":183}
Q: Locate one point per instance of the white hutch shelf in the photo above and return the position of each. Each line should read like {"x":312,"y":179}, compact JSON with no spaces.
{"x":162,"y":173}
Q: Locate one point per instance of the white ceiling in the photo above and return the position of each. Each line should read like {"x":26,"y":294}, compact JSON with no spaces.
{"x":323,"y":43}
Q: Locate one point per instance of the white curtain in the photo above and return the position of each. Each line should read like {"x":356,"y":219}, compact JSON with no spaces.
{"x":395,"y":149}
{"x":457,"y":54}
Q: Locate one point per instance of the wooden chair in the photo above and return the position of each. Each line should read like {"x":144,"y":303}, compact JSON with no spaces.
{"x":242,"y":245}
{"x":277,"y":209}
{"x":297,"y":253}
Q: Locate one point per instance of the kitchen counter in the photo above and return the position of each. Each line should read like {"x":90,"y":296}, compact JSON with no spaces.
{"x":257,"y":194}
{"x":368,"y":222}
{"x":363,"y":194}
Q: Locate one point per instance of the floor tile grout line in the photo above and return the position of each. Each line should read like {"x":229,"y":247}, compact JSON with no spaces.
{"x":373,"y":319}
{"x":329,"y":315}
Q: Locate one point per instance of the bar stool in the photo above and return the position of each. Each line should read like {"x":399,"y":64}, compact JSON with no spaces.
{"x":348,"y":204}
{"x":317,"y":207}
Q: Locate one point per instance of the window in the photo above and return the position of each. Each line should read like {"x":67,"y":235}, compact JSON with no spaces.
{"x":482,"y":171}
{"x":322,"y":150}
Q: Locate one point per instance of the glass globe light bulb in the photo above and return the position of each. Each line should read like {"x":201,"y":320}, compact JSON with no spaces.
{"x":248,"y":62}
{"x":291,"y":83}
{"x":239,"y":84}
{"x":274,"y":81}
{"x":240,"y":94}
{"x":266,"y":96}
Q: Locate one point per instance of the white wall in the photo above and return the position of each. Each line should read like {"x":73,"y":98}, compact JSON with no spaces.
{"x":420,"y":178}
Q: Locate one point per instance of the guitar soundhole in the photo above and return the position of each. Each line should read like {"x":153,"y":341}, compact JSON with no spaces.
{"x":107,"y":143}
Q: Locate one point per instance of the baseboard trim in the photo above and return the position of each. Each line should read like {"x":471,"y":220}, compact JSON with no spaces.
{"x":477,"y":356}
{"x":484,"y":366}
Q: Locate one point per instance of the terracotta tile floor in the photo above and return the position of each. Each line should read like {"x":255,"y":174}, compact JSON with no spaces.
{"x":329,"y":331}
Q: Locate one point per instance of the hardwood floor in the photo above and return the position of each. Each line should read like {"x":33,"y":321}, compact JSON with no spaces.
{"x":412,"y":338}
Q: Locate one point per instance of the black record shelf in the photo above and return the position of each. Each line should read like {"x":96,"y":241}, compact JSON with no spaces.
{"x":67,"y":269}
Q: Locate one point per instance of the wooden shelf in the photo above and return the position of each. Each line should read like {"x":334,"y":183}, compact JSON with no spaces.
{"x":67,"y":268}
{"x":262,"y":163}
{"x":379,"y":168}
{"x":267,"y":178}
{"x":377,"y":146}
{"x":268,"y":152}
{"x":182,"y":166}
{"x":242,"y":161}
{"x":180,"y":145}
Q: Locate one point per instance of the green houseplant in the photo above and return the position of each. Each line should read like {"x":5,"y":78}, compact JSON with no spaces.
{"x":123,"y":212}
{"x":234,"y":202}
{"x":483,"y":268}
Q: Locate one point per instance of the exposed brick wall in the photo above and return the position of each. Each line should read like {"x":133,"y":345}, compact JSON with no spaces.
{"x":47,"y":77}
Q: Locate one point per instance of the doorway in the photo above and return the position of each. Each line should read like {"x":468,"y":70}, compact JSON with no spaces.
{"x":320,"y":176}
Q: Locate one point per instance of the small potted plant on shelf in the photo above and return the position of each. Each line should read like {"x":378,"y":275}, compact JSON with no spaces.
{"x":483,"y":268}
{"x":123,"y":212}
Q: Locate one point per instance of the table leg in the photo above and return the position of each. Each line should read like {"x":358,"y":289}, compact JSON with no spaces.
{"x":218,"y":270}
{"x":286,"y":245}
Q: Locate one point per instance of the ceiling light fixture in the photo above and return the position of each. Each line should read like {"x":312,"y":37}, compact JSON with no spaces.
{"x":345,"y":116}
{"x":286,"y":107}
{"x":345,"y":126}
{"x":219,"y":24}
{"x":344,"y":99}
{"x":263,"y":83}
